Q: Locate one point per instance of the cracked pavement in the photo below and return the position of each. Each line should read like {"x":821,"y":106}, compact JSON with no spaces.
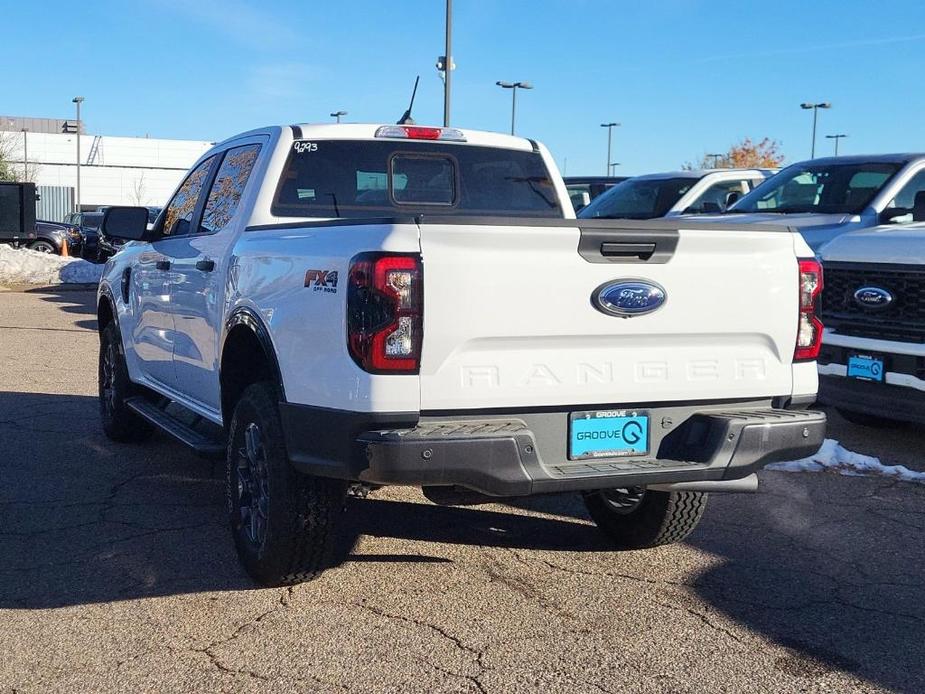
{"x":118,"y":572}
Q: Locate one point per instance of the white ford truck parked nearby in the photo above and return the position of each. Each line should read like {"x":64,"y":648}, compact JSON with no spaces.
{"x":337,"y":307}
{"x":824,"y":198}
{"x":674,"y":193}
{"x":872,"y":363}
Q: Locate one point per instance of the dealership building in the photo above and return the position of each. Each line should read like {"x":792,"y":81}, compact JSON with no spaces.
{"x":113,"y":170}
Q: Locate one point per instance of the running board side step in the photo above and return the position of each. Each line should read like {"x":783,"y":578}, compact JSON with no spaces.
{"x":746,"y":484}
{"x":200,"y":443}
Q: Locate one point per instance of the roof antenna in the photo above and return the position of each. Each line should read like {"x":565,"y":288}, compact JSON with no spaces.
{"x":406,"y":119}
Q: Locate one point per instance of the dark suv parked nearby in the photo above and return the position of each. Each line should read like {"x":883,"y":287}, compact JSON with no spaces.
{"x":50,"y":237}
{"x":88,"y":224}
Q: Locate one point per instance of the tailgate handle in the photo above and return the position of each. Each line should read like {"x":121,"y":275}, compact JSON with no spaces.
{"x":643,"y":251}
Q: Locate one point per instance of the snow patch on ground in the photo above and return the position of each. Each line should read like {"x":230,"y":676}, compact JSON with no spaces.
{"x":22,"y":266}
{"x":832,"y":456}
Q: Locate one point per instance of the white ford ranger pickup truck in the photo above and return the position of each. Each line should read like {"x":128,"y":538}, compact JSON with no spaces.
{"x":333,"y":308}
{"x":872,"y":363}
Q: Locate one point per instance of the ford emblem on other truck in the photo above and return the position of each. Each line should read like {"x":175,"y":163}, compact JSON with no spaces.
{"x":873,"y":297}
{"x":629,"y":297}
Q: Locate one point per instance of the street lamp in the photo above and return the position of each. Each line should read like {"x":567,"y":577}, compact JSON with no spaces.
{"x":338,"y":114}
{"x":25,"y":154}
{"x":78,"y":100}
{"x":447,"y":63}
{"x":514,"y":86}
{"x":613,"y":167}
{"x":836,"y":138}
{"x":815,"y":108}
{"x":610,"y":127}
{"x":716,"y":158}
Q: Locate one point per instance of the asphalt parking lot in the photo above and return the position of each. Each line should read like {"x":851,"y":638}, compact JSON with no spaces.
{"x":117,"y":571}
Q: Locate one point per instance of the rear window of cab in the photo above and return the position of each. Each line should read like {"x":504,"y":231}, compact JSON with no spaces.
{"x":362,"y":178}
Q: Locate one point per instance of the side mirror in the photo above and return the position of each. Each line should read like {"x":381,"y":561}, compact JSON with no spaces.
{"x":580,"y":199}
{"x":732,"y":197}
{"x":891,"y":214}
{"x":129,"y":223}
{"x":703,"y":207}
{"x":180,"y":227}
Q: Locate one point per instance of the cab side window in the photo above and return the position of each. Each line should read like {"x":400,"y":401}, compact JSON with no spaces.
{"x":906,"y":200}
{"x":719,"y":196}
{"x":228,"y":188}
{"x":179,"y":213}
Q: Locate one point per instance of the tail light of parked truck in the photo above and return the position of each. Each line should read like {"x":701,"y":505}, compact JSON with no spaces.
{"x":385,"y":301}
{"x":809,"y":332}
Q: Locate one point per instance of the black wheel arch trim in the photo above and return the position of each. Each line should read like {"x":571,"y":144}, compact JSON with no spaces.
{"x":248,"y":317}
{"x":105,"y":294}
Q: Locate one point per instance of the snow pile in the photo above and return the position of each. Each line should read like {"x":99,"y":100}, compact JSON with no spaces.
{"x":832,"y":456}
{"x":22,"y":266}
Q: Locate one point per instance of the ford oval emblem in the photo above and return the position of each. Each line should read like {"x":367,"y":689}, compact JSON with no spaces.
{"x":628,"y":298}
{"x":873,"y":297}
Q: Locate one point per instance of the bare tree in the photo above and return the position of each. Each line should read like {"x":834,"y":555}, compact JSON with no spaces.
{"x":7,"y":152}
{"x":12,"y":166}
{"x":139,"y":194}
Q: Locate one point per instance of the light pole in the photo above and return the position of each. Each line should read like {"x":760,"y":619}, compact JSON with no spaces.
{"x":613,"y":167}
{"x":815,"y":108}
{"x":716,"y":158}
{"x":836,"y":138}
{"x":25,"y":154}
{"x":448,"y":63}
{"x":338,"y":114}
{"x":610,"y":127}
{"x":514,"y":86}
{"x":78,"y":100}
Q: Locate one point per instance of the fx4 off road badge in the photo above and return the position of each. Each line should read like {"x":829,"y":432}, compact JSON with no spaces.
{"x":322,"y":281}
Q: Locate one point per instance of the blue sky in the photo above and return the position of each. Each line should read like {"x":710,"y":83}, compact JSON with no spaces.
{"x":684,"y":77}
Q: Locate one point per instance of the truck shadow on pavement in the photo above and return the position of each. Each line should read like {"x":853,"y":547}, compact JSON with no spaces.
{"x":79,"y":300}
{"x":828,"y":567}
{"x":84,"y":520}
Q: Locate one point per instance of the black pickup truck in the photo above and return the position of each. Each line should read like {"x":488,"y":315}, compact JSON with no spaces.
{"x":17,"y":213}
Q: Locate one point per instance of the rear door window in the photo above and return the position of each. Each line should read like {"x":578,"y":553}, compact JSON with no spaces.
{"x":348,"y":179}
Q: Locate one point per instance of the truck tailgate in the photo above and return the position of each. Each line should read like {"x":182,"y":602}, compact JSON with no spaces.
{"x":509,"y":320}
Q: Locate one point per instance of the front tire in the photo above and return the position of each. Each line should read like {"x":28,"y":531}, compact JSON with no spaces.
{"x":43,"y":247}
{"x":119,"y":422}
{"x":283,"y":522}
{"x":638,"y":518}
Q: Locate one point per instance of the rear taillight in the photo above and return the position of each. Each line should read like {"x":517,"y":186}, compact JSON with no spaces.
{"x":385,"y":312}
{"x":809,"y":329}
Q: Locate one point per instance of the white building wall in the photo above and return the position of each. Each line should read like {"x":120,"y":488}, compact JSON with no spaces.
{"x":117,"y":171}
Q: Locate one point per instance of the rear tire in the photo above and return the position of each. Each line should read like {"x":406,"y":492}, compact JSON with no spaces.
{"x":283,"y":522}
{"x":869,"y":420}
{"x":119,"y":422}
{"x":638,"y":518}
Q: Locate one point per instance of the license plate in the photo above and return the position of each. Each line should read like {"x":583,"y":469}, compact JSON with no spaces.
{"x":865,"y":367}
{"x":608,"y":434}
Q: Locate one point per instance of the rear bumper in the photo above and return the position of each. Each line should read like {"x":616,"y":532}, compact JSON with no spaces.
{"x":521,"y":455}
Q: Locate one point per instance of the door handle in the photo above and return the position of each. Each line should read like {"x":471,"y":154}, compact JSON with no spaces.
{"x":643,"y":251}
{"x":205,"y":265}
{"x":162,"y":265}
